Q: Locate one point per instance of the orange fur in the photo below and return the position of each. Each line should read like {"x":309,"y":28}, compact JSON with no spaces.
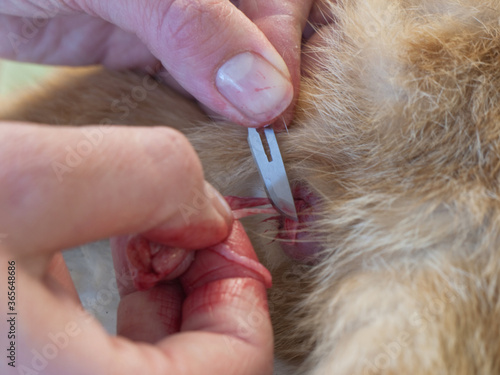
{"x":398,"y":133}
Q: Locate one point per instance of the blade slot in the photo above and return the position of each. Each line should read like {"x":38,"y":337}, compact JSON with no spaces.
{"x":272,"y":170}
{"x":265,"y":144}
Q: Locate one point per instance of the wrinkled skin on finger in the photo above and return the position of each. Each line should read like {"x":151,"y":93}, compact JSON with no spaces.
{"x":113,"y":193}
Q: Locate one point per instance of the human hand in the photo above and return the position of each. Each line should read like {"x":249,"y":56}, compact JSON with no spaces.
{"x":135,"y":181}
{"x":226,"y":57}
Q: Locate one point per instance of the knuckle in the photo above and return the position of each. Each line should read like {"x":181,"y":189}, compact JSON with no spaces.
{"x":189,"y":22}
{"x":182,"y":19}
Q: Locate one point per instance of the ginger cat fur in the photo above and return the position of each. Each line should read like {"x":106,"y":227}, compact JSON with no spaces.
{"x":397,"y":135}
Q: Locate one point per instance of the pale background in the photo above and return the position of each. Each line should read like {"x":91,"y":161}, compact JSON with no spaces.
{"x":14,"y":77}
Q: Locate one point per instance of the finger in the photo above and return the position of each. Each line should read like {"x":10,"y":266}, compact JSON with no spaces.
{"x":159,"y":312}
{"x":226,"y":330}
{"x":224,"y":316}
{"x":228,"y":320}
{"x":226,"y":295}
{"x":67,"y":186}
{"x":124,"y":280}
{"x":203,"y":45}
{"x":144,"y":315}
{"x":212,"y":49}
{"x":282,"y":21}
{"x":73,"y":39}
{"x":150,"y":315}
{"x":59,"y":279}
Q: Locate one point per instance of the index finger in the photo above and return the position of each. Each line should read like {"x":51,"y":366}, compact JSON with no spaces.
{"x":223,"y":313}
{"x":61,"y":339}
{"x":67,"y":186}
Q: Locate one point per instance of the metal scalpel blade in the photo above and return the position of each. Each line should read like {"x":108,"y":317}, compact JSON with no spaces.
{"x":272,"y":171}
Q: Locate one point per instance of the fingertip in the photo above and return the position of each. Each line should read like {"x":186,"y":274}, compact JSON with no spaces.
{"x":220,"y":204}
{"x":230,"y":65}
{"x":124,"y":280}
{"x":201,"y":221}
{"x":258,"y":89}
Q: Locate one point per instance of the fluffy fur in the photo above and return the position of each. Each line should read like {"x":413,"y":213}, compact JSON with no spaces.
{"x":398,"y":133}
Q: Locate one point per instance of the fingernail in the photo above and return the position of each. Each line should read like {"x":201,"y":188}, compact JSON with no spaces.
{"x":254,"y":86}
{"x":218,"y":201}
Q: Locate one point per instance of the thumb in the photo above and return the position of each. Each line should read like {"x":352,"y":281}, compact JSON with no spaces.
{"x":212,"y":49}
